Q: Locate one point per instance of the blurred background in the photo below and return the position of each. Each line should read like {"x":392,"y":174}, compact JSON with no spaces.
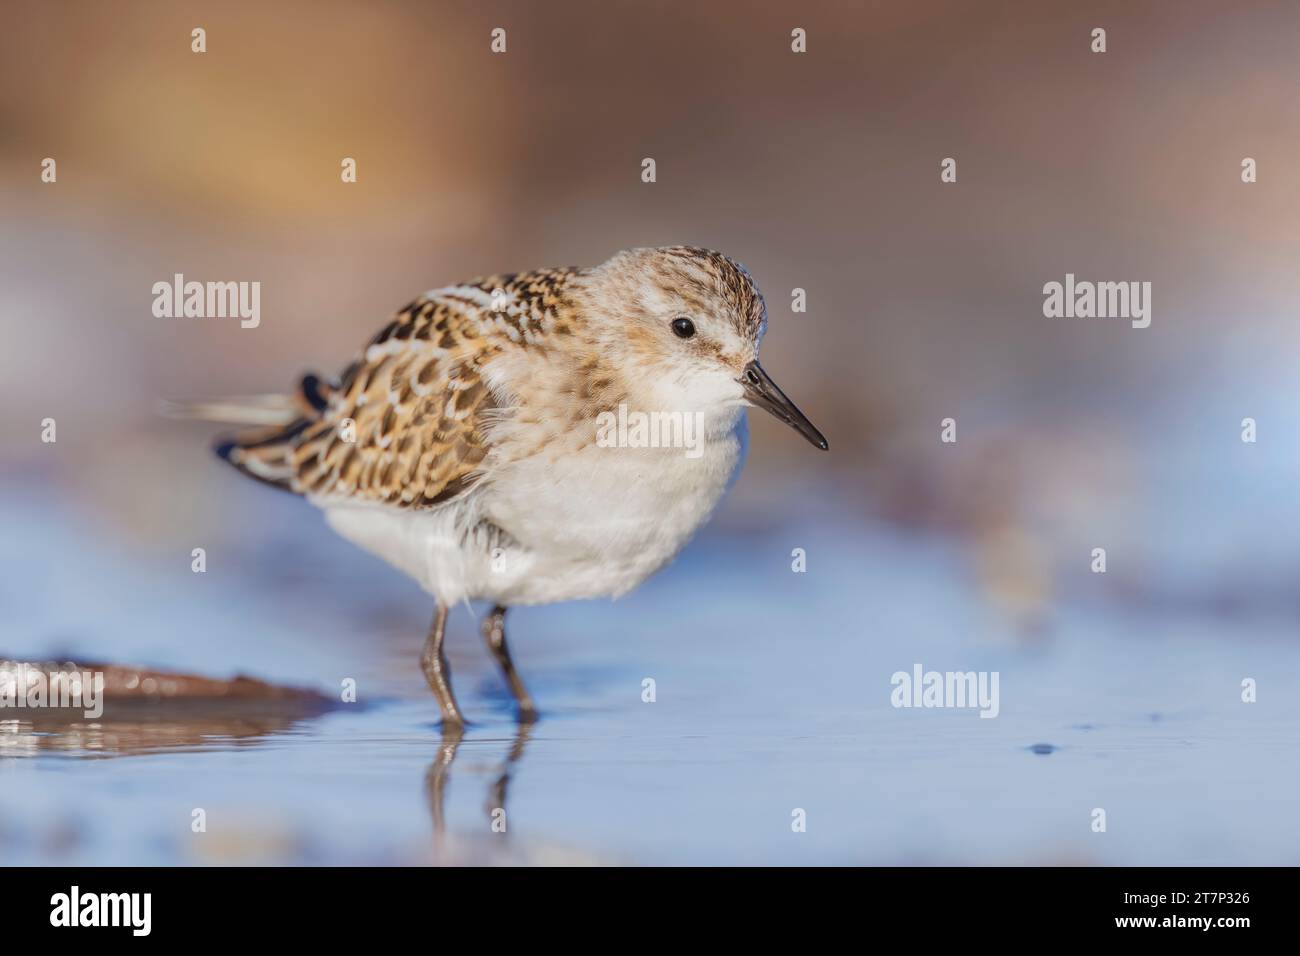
{"x":818,"y":171}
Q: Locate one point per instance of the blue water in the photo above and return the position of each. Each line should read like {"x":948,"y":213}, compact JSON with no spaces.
{"x":772,"y":695}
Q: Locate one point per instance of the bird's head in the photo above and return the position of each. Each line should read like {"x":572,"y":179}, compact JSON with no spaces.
{"x":685,"y":325}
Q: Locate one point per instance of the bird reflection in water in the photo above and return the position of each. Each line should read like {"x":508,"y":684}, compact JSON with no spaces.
{"x":438,"y":776}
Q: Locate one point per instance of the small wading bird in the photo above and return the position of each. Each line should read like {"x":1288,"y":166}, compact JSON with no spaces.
{"x":462,"y":445}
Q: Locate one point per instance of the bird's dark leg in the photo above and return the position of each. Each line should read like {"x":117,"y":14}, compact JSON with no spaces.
{"x":436,"y":672}
{"x":494,"y":633}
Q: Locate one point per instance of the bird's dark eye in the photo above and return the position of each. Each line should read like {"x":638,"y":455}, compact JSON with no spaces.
{"x":684,"y":328}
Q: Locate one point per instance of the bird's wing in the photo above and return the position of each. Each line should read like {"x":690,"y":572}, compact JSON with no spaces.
{"x":405,"y":425}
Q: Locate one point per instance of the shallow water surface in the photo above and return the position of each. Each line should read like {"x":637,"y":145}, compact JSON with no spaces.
{"x":772,"y":695}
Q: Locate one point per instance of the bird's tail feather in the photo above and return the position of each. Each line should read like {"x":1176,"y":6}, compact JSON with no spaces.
{"x":240,"y":410}
{"x":264,"y":451}
{"x":310,"y":398}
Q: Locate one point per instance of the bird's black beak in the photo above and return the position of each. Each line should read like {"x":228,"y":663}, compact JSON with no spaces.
{"x":762,"y":392}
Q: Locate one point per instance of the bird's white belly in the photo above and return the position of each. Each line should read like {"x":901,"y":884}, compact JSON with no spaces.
{"x":599,"y":521}
{"x":430,"y":546}
{"x":593,"y":522}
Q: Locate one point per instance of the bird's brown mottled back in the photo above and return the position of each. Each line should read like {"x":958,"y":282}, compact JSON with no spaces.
{"x":405,"y":425}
